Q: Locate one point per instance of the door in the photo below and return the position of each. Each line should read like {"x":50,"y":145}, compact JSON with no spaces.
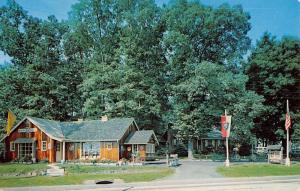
{"x":25,"y":151}
{"x":58,"y":148}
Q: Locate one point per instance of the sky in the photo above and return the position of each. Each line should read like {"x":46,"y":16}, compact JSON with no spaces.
{"x":279,"y":17}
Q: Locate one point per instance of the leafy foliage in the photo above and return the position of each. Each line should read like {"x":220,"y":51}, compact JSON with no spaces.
{"x":174,"y":66}
{"x":273,"y":71}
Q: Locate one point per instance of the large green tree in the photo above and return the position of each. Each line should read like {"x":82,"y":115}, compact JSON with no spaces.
{"x":274,"y":72}
{"x":202,"y":46}
{"x":127,"y":82}
{"x":36,"y":81}
{"x":173,"y":66}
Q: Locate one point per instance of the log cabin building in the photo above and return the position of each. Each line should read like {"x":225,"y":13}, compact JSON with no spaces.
{"x":55,"y":141}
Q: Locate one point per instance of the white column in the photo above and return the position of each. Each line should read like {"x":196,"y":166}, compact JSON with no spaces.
{"x":18,"y":150}
{"x":33,"y":152}
{"x":80,"y":150}
{"x":64,"y":152}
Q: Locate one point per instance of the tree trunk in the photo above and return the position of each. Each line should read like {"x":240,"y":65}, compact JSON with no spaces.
{"x":190,"y":149}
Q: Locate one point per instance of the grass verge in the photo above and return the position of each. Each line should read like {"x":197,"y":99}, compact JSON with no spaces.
{"x":79,"y":178}
{"x":7,"y":169}
{"x":258,"y":170}
{"x":76,"y":169}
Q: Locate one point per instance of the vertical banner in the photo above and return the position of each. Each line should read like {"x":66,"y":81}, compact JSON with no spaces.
{"x":223,"y":122}
{"x":225,"y":125}
{"x":228,"y":125}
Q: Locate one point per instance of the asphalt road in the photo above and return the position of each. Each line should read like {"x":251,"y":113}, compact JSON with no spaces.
{"x":291,"y":183}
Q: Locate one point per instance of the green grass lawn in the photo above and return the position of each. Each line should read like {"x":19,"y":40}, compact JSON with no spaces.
{"x":131,"y":174}
{"x":75,"y":169}
{"x":21,"y":169}
{"x":257,"y":170}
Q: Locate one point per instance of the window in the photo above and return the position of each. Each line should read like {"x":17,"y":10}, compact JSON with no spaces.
{"x":44,"y":145}
{"x":150,"y":148}
{"x":12,"y":146}
{"x":25,"y":150}
{"x":108,"y":146}
{"x":91,"y":149}
{"x":134,"y":150}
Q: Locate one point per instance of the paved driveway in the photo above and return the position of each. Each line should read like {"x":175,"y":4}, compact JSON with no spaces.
{"x":189,"y":170}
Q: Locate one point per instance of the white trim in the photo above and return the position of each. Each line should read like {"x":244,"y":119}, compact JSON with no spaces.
{"x":64,"y":151}
{"x":28,"y":118}
{"x":50,"y":136}
{"x":12,"y":146}
{"x":150,"y":148}
{"x":107,"y":144}
{"x":42,"y":146}
{"x":136,"y":125}
{"x":83,"y":141}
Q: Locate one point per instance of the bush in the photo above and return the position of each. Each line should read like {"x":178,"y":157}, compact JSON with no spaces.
{"x":217,"y":157}
{"x":44,"y":160}
{"x":244,"y":150}
{"x":180,"y":150}
{"x":161,"y":151}
{"x":221,"y":149}
{"x":207,"y":150}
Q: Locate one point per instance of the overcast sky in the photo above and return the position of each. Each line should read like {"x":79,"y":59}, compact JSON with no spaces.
{"x":279,"y":17}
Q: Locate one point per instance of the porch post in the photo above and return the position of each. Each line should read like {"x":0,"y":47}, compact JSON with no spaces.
{"x":132,"y":151}
{"x":64,"y":152}
{"x":33,"y":152}
{"x":18,"y":151}
{"x":50,"y":150}
{"x":80,"y":148}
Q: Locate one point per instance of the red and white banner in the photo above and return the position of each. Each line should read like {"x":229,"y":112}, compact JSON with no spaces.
{"x":225,"y":125}
{"x":287,"y":121}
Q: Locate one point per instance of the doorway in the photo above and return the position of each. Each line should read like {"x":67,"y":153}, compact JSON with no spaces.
{"x":58,"y":148}
{"x":25,"y":150}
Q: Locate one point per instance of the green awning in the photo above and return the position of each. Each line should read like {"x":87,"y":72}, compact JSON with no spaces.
{"x":25,"y":140}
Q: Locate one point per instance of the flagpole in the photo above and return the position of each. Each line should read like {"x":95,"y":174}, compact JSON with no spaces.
{"x":227,"y":150}
{"x":287,"y":160}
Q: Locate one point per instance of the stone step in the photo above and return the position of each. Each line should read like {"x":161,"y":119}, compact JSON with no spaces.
{"x":55,"y":172}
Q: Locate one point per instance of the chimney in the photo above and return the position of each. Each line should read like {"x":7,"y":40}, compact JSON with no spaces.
{"x":104,"y":118}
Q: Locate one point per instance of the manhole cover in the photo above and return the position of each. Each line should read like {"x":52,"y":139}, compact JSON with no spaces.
{"x":104,"y":182}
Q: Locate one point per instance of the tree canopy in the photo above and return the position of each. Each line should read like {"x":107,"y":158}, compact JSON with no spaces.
{"x":181,"y":65}
{"x":274,"y":72}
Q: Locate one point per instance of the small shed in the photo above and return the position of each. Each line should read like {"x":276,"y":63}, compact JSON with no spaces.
{"x":275,"y":153}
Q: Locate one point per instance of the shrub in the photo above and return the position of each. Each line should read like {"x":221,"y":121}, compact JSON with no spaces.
{"x":208,"y":149}
{"x":217,"y":157}
{"x":221,"y":149}
{"x":244,"y":150}
{"x":180,"y":150}
{"x":161,"y":151}
{"x":44,"y":160}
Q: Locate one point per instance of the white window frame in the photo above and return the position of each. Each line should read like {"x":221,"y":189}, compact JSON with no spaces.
{"x":150,"y":148}
{"x":12,"y":146}
{"x":44,"y":146}
{"x":108,"y":146}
